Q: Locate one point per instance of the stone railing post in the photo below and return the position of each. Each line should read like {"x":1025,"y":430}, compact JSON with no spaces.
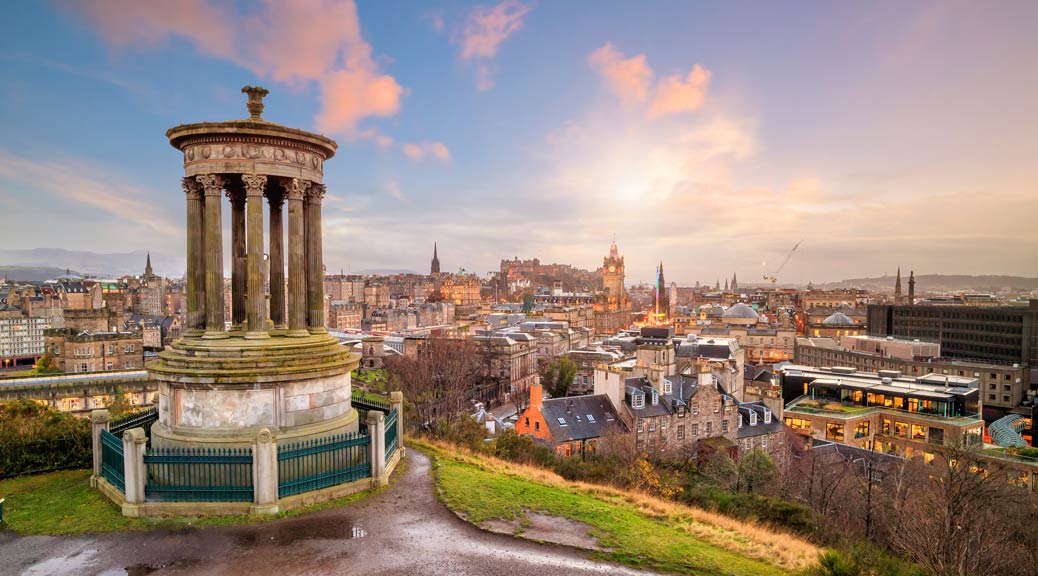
{"x":99,"y":420}
{"x":377,"y":431}
{"x":264,"y":474}
{"x":135,"y":442}
{"x":396,"y":400}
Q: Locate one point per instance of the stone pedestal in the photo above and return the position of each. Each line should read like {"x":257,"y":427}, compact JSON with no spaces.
{"x":99,"y":420}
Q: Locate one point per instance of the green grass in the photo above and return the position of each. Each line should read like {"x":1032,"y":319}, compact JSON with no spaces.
{"x":64,"y":503}
{"x":629,"y":535}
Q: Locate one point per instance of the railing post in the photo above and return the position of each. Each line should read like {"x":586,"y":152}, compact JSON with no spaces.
{"x":264,"y":474}
{"x":134,"y":445}
{"x":99,"y":420}
{"x":377,"y":434}
{"x":396,"y":399}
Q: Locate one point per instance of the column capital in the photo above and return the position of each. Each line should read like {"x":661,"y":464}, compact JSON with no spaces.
{"x":191,"y":188}
{"x":254,"y":184}
{"x":295,"y":188}
{"x":212,"y":183}
{"x":317,"y":192}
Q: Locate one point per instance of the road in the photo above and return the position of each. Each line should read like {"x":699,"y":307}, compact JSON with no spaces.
{"x":403,"y":530}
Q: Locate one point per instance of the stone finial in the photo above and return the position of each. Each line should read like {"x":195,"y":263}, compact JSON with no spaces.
{"x":255,"y":104}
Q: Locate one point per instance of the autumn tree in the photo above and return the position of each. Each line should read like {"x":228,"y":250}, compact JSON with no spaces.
{"x":557,"y":376}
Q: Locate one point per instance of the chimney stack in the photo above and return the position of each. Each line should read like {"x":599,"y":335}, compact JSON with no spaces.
{"x":536,"y":394}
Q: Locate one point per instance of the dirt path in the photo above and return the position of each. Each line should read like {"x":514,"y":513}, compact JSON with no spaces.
{"x":404,"y":530}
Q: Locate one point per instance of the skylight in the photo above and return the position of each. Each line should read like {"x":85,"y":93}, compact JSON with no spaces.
{"x":562,"y":421}
{"x":590,"y":418}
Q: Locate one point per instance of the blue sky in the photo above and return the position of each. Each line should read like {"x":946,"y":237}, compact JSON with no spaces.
{"x":712,"y":136}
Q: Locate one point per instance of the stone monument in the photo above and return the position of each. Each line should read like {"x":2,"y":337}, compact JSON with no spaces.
{"x":275,"y":366}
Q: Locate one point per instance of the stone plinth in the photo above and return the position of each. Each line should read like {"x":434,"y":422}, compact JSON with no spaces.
{"x":221,"y":393}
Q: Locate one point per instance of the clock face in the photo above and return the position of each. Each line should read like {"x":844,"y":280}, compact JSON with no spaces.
{"x":612,"y":268}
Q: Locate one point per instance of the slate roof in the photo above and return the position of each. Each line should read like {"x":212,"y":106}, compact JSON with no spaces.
{"x":582,"y":417}
{"x":748,"y":430}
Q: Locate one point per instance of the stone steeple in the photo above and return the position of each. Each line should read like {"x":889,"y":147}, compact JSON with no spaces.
{"x":735,"y":282}
{"x":897,"y":287}
{"x":435,"y":267}
{"x":911,"y":286}
{"x":147,"y":267}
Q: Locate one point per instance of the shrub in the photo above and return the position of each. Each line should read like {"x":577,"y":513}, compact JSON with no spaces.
{"x":34,"y":438}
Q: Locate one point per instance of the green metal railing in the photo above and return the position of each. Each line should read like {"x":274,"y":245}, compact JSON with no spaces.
{"x":112,"y":463}
{"x":199,"y":474}
{"x":139,"y":419}
{"x":315,"y":464}
{"x":391,"y":434}
{"x":364,"y":403}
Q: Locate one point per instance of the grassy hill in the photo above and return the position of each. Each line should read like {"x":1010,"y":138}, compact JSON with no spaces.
{"x":631,"y":528}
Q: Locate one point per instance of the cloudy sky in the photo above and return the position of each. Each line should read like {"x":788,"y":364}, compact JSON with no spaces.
{"x":712,"y":136}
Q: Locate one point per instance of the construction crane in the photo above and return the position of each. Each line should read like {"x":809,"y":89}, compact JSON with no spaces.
{"x":773,"y":277}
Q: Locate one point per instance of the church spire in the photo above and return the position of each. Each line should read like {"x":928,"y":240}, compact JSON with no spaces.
{"x":435,"y":267}
{"x":147,"y":267}
{"x":735,"y":282}
{"x":897,"y":287}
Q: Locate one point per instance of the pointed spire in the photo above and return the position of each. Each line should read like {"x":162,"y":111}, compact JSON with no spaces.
{"x":147,"y":267}
{"x":434,"y":268}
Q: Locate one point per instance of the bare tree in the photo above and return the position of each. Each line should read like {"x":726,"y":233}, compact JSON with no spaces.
{"x":439,"y":380}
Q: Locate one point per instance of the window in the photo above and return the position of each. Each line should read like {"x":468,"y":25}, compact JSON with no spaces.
{"x":861,"y":429}
{"x":753,"y":418}
{"x":695,"y":430}
{"x":652,"y":424}
{"x":638,"y":401}
{"x":562,"y":421}
{"x":936,"y":435}
{"x":681,"y":431}
{"x":667,"y":387}
{"x":884,"y":427}
{"x":663,"y":423}
{"x":918,"y":432}
{"x":799,"y":424}
{"x":740,"y":420}
{"x":724,"y":426}
{"x":767,"y":416}
{"x":764,"y":441}
{"x":641,"y":426}
{"x":695,"y":408}
{"x":590,"y":418}
{"x":537,"y":426}
{"x":709,"y":428}
{"x":834,"y":432}
{"x":527,"y":422}
{"x":900,"y":429}
{"x":717,"y":408}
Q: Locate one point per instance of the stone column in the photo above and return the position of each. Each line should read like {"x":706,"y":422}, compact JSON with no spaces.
{"x":295,"y":190}
{"x":99,"y":420}
{"x":377,"y":432}
{"x":134,"y":444}
{"x":238,"y":273}
{"x":396,"y":400}
{"x":254,"y":186}
{"x":214,"y":318}
{"x":195,"y":320}
{"x":264,"y":474}
{"x":276,"y":202}
{"x":315,"y":262}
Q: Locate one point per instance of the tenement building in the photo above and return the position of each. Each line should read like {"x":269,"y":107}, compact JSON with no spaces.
{"x":1003,"y":334}
{"x":95,"y":351}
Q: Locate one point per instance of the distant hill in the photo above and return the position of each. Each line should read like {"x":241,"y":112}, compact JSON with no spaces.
{"x":30,"y":273}
{"x":940,"y":283}
{"x":110,"y":265}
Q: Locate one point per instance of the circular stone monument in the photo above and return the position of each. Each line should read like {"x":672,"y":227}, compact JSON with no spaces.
{"x":269,"y":363}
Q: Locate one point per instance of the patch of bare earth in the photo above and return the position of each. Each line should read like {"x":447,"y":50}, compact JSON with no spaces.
{"x":541,"y":527}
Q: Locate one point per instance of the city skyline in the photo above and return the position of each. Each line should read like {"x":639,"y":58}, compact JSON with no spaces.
{"x":533,"y":130}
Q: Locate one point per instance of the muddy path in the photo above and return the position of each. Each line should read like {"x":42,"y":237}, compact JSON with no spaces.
{"x":403,"y":530}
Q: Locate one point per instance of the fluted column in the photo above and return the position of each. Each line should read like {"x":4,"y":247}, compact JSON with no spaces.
{"x":238,"y":258}
{"x":213,"y":222}
{"x":315,"y":262}
{"x":195,"y":321}
{"x":276,"y":202}
{"x":295,"y":190}
{"x":257,"y":308}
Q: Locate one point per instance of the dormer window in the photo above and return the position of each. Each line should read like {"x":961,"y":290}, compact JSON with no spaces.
{"x":667,"y":387}
{"x":753,"y":418}
{"x":638,"y":401}
{"x":767,"y":416}
{"x":655,"y":397}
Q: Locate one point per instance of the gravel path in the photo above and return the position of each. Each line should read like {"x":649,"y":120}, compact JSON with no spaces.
{"x":403,"y":530}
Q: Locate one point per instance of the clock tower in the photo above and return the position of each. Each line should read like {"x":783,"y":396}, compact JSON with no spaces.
{"x":613,"y":279}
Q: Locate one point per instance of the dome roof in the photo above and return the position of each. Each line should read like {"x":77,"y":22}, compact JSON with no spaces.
{"x":741,"y":310}
{"x":838,"y":319}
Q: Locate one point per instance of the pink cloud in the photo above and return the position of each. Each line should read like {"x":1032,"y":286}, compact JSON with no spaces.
{"x":674,"y":94}
{"x":628,"y":78}
{"x":299,"y":42}
{"x":417,"y":151}
{"x":486,"y":28}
